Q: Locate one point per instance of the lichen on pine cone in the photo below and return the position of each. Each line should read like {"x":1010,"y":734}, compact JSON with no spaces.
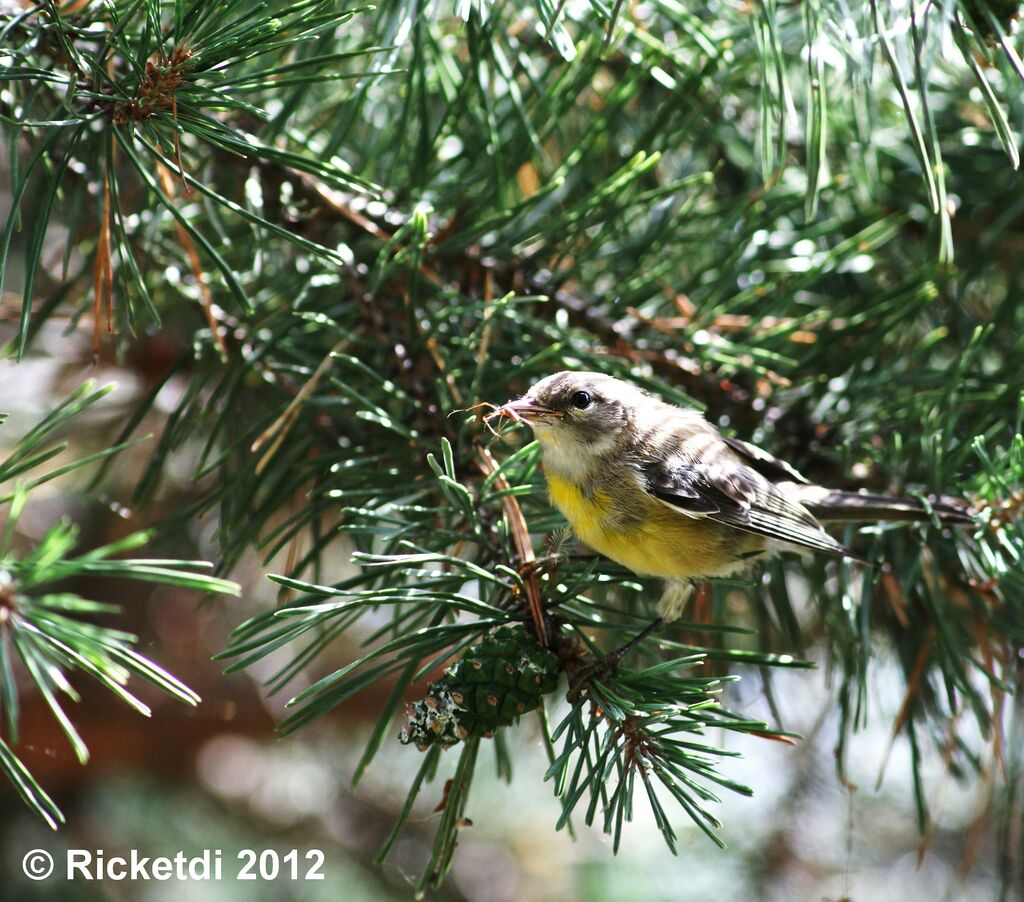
{"x":490,"y":686}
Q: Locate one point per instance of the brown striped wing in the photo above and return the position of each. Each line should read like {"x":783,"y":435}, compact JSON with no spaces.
{"x":719,"y":485}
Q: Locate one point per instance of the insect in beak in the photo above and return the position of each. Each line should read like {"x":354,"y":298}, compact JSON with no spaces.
{"x":524,"y":411}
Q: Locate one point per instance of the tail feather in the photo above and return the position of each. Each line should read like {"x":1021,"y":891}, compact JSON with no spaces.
{"x":830,"y":505}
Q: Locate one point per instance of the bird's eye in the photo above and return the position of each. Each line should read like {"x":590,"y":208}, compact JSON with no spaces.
{"x":581,"y":400}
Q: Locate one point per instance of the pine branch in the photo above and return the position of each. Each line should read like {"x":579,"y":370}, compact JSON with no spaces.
{"x":151,"y":85}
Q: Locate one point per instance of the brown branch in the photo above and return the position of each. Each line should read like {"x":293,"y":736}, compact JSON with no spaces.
{"x":524,"y":274}
{"x":277,"y":431}
{"x":521,"y":539}
{"x":188,"y":245}
{"x":102,"y":284}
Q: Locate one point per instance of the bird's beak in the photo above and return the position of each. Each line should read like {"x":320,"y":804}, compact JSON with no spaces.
{"x":526,"y":411}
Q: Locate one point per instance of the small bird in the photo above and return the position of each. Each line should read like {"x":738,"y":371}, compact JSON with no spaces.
{"x":661,"y":491}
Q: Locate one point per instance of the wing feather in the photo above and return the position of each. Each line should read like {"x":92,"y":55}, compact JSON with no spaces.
{"x":719,"y":485}
{"x":768,"y":465}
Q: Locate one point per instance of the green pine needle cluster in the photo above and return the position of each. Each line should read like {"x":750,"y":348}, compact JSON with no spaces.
{"x":46,"y":630}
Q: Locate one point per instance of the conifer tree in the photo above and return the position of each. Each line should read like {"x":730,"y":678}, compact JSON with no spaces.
{"x":353,"y":226}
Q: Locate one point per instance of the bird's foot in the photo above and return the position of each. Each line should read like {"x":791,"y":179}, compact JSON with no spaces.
{"x":548,"y":563}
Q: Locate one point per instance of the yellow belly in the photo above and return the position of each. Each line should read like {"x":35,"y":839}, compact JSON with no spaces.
{"x":664,"y":543}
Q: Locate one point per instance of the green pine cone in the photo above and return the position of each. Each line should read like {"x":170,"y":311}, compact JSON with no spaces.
{"x":490,"y":686}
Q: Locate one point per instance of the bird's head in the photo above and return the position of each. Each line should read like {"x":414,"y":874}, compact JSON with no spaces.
{"x":576,"y":418}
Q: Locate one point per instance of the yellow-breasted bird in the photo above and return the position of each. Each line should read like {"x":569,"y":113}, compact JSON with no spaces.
{"x":661,"y":491}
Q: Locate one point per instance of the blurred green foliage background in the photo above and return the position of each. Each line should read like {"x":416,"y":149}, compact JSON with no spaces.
{"x":304,"y":239}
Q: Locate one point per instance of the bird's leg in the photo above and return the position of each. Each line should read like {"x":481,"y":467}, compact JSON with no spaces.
{"x":675,"y":598}
{"x":609,"y":664}
{"x":671,"y":606}
{"x":624,"y":650}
